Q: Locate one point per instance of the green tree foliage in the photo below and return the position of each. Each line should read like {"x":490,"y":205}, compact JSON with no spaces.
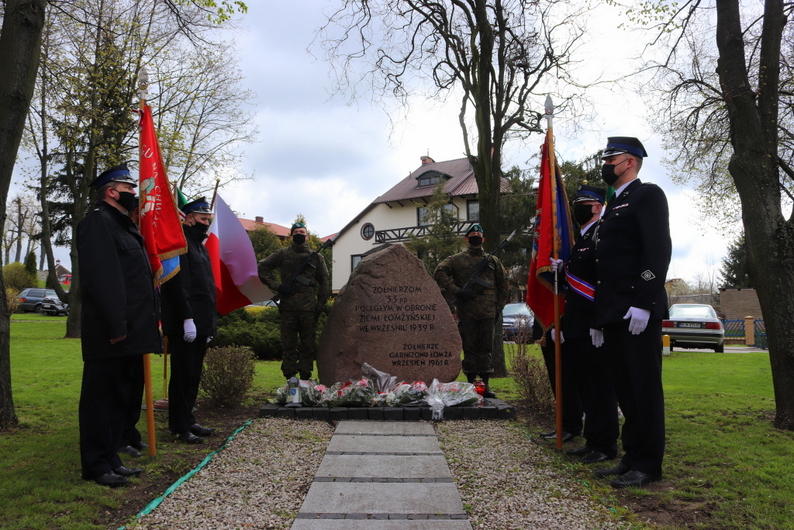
{"x":30,"y":266}
{"x":17,"y":278}
{"x":439,"y":239}
{"x":265,"y":242}
{"x":735,"y":270}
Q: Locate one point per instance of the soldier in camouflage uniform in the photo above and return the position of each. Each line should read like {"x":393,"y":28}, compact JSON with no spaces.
{"x":301,"y":300}
{"x":477,"y":308}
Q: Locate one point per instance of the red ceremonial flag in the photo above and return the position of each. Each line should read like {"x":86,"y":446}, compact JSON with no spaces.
{"x":234,"y":266}
{"x":160,"y":223}
{"x":553,"y":238}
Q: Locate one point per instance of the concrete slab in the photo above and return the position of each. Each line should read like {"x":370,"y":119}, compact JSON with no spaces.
{"x":383,"y":444}
{"x":384,"y":427}
{"x":370,"y":524}
{"x":368,"y":498}
{"x":384,"y":466}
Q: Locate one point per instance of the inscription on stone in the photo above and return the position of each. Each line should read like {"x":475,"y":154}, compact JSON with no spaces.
{"x":391,"y":315}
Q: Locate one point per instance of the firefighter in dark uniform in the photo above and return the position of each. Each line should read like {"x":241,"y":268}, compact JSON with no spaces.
{"x":592,"y":375}
{"x":477,"y":307}
{"x":119,"y":321}
{"x":301,"y":300}
{"x":189,"y":321}
{"x":633,"y":250}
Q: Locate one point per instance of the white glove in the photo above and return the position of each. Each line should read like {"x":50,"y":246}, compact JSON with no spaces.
{"x":190,"y":330}
{"x":554,"y":333}
{"x":597,"y":336}
{"x":209,"y":339}
{"x":556,"y":264}
{"x":639,"y":319}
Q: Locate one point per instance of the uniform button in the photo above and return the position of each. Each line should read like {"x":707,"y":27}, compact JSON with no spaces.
{"x":598,"y":282}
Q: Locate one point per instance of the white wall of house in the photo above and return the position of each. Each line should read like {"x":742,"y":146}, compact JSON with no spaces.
{"x":351,"y":242}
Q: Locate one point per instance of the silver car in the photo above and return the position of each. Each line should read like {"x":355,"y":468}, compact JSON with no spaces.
{"x":517,"y":322}
{"x":694,"y":326}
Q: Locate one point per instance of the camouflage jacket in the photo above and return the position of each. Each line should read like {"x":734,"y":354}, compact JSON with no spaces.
{"x":311,"y":287}
{"x":455,"y":271}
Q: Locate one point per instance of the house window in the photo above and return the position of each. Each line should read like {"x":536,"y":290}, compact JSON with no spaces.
{"x":367,"y":231}
{"x":430,"y":178}
{"x":423,"y":216}
{"x":473,"y":211}
{"x":354,"y":261}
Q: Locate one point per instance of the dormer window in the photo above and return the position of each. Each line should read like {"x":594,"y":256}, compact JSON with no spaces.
{"x":431,"y":178}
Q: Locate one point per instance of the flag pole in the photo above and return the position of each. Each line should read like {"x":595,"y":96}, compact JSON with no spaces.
{"x":215,"y":192}
{"x":143,"y":84}
{"x":555,"y":254}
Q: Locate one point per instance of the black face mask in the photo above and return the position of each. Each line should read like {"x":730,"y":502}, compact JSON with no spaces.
{"x":127,"y":200}
{"x":582,"y":213}
{"x":475,"y":241}
{"x":200,"y":228}
{"x":608,"y":173}
{"x":298,"y":239}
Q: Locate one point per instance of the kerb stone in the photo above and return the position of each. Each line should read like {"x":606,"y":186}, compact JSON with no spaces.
{"x":390,"y":314}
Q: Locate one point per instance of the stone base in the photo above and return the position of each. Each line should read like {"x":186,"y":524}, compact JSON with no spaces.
{"x":491,"y":409}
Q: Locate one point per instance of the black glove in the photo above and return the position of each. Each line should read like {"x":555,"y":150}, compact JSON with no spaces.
{"x":285,"y":289}
{"x":465,"y":295}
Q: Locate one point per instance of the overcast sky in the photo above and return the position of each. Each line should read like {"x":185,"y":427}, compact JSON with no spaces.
{"x":327,"y":160}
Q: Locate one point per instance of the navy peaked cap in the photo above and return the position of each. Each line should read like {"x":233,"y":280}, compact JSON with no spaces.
{"x":119,"y":173}
{"x":624,"y":144}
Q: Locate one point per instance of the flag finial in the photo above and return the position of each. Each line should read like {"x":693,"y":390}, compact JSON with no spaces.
{"x":143,"y":82}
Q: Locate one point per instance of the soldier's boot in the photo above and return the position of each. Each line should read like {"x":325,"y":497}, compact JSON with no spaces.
{"x":471,"y":377}
{"x":488,"y":392}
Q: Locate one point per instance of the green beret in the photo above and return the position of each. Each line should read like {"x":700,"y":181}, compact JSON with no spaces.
{"x":474,"y":228}
{"x":296,"y":225}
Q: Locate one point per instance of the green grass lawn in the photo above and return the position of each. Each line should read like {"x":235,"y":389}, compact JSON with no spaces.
{"x":723,"y":455}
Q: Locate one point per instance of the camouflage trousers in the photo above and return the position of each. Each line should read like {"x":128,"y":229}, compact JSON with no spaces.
{"x":477,"y":337}
{"x":298,"y":342}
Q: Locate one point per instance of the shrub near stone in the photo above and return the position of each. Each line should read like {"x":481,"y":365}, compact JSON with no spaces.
{"x":257,"y":328}
{"x":228,"y":375}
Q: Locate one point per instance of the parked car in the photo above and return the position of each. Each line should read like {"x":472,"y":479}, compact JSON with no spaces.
{"x":30,"y":299}
{"x":54,"y":306}
{"x":517,"y":322}
{"x":694,"y":326}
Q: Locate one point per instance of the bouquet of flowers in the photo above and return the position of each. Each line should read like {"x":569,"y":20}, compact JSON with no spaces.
{"x":381,"y":381}
{"x":440,"y":395}
{"x":405,"y":394}
{"x":353,"y":394}
{"x":310,"y":393}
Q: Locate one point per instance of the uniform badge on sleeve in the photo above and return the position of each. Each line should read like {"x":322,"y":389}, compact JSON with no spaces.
{"x":647,"y":275}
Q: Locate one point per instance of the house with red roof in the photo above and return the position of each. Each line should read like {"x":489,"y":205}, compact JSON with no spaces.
{"x":402,"y":211}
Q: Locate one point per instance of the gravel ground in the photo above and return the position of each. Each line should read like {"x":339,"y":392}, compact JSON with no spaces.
{"x":260,"y":479}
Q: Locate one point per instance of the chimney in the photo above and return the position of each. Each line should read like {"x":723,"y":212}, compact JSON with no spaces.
{"x":259,"y":220}
{"x":426,"y":160}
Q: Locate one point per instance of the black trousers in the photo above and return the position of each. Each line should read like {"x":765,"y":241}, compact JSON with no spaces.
{"x":187,"y":361}
{"x":571,"y":404}
{"x":596,"y":393}
{"x":131,"y":434}
{"x":104,"y":399}
{"x":636,"y":364}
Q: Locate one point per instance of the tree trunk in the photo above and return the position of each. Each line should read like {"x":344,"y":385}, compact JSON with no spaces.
{"x":754,"y":169}
{"x":20,"y":45}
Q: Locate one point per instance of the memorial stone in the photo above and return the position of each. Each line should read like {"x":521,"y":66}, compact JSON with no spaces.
{"x":392,"y":315}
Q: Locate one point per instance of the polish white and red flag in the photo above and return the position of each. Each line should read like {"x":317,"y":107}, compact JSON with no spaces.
{"x":234,"y":266}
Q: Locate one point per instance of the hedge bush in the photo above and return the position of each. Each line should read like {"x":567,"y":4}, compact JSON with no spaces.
{"x":228,"y":375}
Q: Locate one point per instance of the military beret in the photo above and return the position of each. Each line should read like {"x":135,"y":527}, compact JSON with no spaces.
{"x":119,"y":173}
{"x":624,"y":144}
{"x":296,"y":225}
{"x":474,"y":228}
{"x":199,"y":205}
{"x":589,"y":193}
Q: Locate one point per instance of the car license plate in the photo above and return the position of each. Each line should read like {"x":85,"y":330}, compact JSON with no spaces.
{"x":690,"y":325}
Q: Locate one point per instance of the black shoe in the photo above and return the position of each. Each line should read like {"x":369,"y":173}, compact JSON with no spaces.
{"x":579,"y":452}
{"x":634,"y":479}
{"x":140,"y":446}
{"x":305,"y":376}
{"x":617,"y":470}
{"x":566,"y":436}
{"x":201,"y":431}
{"x":189,"y":438}
{"x":489,"y":394}
{"x":595,"y":457}
{"x":127,"y":471}
{"x":129,"y":450}
{"x":111,"y":480}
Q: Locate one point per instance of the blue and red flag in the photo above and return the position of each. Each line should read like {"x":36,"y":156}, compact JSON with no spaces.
{"x":553,"y":238}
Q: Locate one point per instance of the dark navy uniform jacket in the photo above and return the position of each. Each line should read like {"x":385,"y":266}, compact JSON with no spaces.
{"x":632,"y":252}
{"x":191,"y":293}
{"x":116,"y":286}
{"x":579,"y":310}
